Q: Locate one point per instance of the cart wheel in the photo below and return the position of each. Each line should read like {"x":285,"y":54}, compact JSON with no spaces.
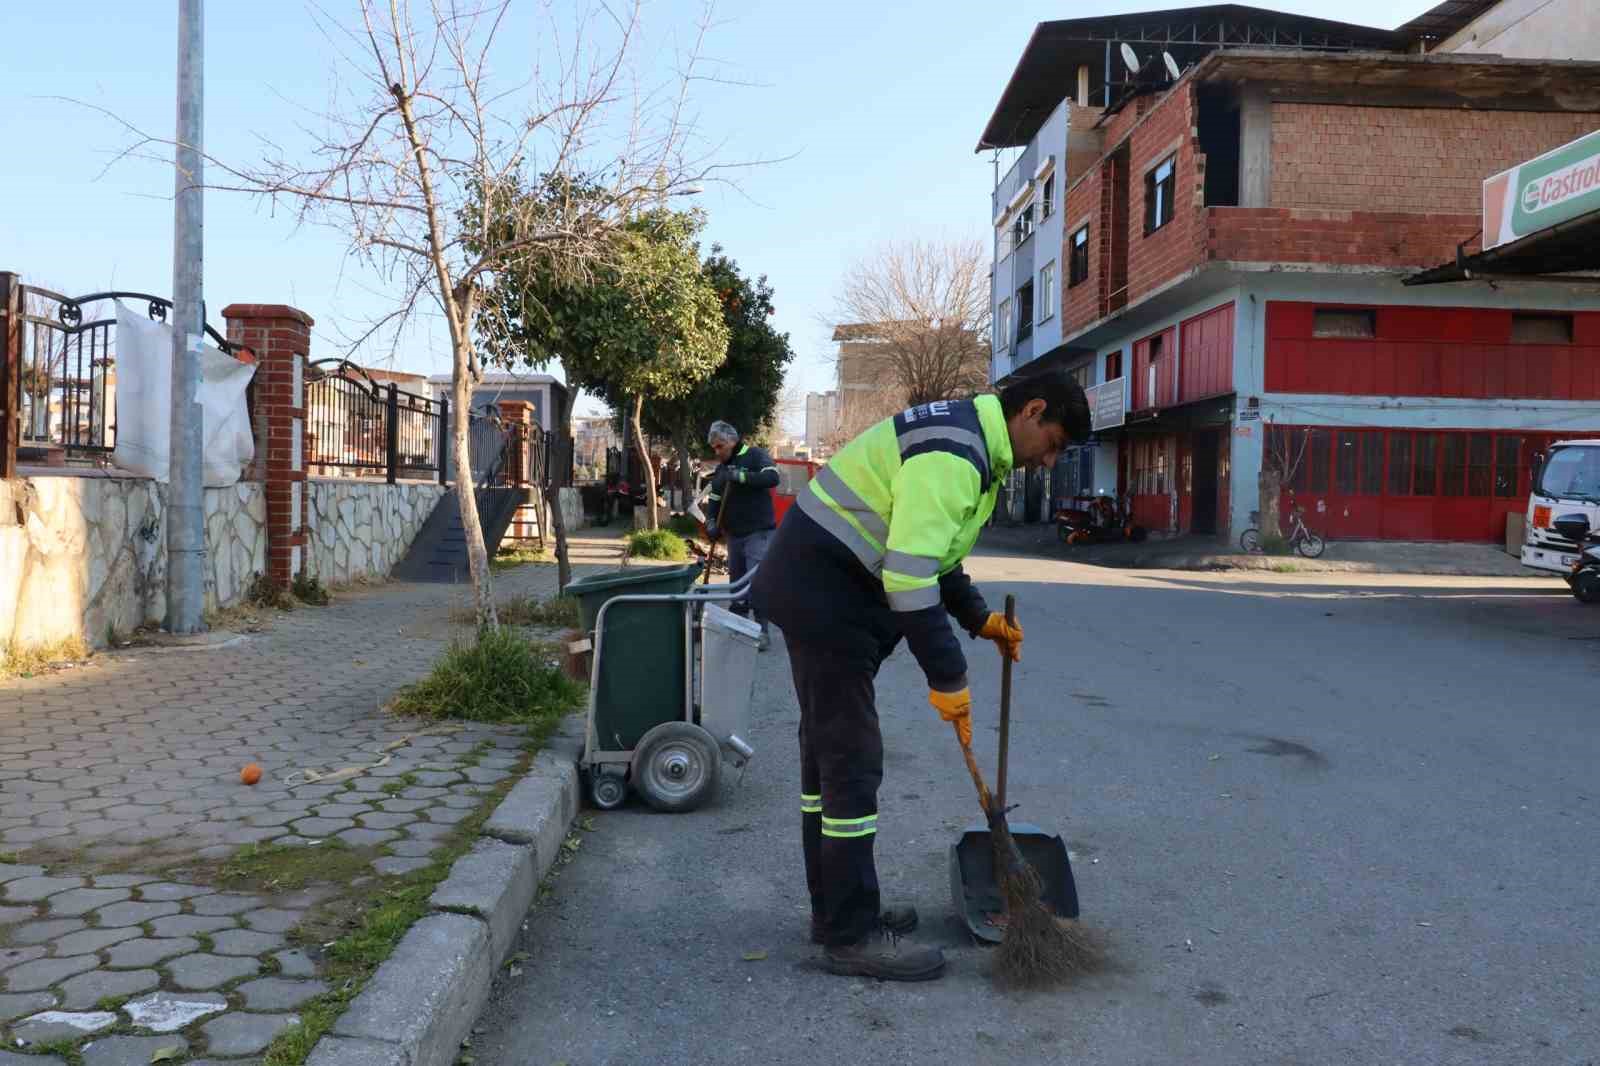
{"x":676,"y":766}
{"x":607,"y":791}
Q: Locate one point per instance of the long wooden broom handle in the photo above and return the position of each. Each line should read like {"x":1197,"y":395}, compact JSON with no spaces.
{"x":1005,"y":711}
{"x":977,"y":775}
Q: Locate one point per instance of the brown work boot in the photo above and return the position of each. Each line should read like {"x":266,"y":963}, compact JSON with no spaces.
{"x":887,"y":960}
{"x":897,"y":920}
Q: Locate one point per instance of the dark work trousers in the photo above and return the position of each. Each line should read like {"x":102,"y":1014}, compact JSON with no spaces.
{"x":841,"y":766}
{"x":744,"y":555}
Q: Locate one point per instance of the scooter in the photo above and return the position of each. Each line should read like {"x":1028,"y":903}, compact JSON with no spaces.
{"x":1103,"y":521}
{"x":1584,"y":580}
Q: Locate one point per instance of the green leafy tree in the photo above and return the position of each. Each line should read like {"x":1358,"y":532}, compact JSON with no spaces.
{"x":744,"y":390}
{"x":642,"y":323}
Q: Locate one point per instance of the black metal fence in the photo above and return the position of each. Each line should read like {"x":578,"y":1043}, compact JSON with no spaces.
{"x":60,"y":371}
{"x":358,"y":427}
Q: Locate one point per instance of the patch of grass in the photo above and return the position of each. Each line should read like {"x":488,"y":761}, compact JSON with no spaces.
{"x":10,"y":857}
{"x":368,"y":933}
{"x":18,"y":661}
{"x":308,"y":588}
{"x":66,"y":1048}
{"x":498,"y":677}
{"x":1274,"y":546}
{"x":283,"y":867}
{"x":520,"y":553}
{"x":265,"y":592}
{"x":110,"y":1003}
{"x":1285,"y":568}
{"x":556,"y":612}
{"x":684,"y":525}
{"x":657,"y":544}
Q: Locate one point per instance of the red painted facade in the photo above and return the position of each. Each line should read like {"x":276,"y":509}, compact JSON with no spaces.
{"x":1464,"y":352}
{"x":1402,"y":484}
{"x":1157,"y":390}
{"x":1206,"y":360}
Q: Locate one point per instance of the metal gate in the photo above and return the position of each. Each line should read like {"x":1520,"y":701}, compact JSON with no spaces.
{"x":58,"y":367}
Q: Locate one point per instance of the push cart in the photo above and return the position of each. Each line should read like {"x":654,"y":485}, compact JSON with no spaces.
{"x":671,"y":680}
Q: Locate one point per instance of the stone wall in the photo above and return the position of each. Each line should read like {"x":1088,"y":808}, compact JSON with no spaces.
{"x":361,"y":529}
{"x":81,"y":556}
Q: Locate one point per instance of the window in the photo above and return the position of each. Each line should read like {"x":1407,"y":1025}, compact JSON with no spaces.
{"x":1341,"y":322}
{"x":1358,"y":463}
{"x":1479,"y":451}
{"x":1349,"y":462}
{"x":1507,"y":469}
{"x":1079,"y":376}
{"x":1047,"y":292}
{"x":1541,"y":329}
{"x":1400,"y":464}
{"x":1022,"y":227}
{"x":1453,"y":465}
{"x":1158,"y":195}
{"x":1152,"y":373}
{"x":1002,"y":326}
{"x":1047,"y":197}
{"x":1025,"y":311}
{"x":1078,"y":267}
{"x":1425,"y":480}
{"x":1318,"y":443}
{"x":1113,"y":366}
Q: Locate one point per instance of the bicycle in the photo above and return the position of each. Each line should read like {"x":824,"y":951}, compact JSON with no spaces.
{"x":1302,"y":540}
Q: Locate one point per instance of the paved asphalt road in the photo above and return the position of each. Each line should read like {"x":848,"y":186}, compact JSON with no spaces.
{"x":1321,"y":820}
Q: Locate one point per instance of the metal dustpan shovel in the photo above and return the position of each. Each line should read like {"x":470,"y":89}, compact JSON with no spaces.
{"x":973,"y":887}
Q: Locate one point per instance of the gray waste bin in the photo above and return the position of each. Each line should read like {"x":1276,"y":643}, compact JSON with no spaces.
{"x":729,"y":644}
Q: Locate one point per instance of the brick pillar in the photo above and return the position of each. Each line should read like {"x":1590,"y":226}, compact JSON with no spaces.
{"x":280,"y":338}
{"x":518,"y":413}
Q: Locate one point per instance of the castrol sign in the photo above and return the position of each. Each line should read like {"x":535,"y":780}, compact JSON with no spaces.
{"x":1542,"y":192}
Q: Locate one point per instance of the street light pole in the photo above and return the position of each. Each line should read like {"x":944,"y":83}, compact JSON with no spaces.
{"x":186,"y":538}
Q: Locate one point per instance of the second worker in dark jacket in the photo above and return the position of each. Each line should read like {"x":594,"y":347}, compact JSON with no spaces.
{"x":740,"y":504}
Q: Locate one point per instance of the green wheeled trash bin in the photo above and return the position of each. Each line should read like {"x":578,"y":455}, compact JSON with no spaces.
{"x":663,"y":698}
{"x":640,"y":660}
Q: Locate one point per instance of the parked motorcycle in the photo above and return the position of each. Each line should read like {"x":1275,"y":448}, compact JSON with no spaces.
{"x":1104,"y":520}
{"x":1584,"y":578}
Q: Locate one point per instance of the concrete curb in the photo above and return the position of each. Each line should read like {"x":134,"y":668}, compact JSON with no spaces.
{"x":422,"y":1002}
{"x":1298,"y":564}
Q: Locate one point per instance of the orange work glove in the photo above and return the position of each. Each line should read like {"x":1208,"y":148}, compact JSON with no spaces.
{"x":955,"y":708}
{"x":1007,"y":636}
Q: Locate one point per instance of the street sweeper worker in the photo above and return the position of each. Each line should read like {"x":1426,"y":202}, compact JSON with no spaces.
{"x":740,"y":504}
{"x":871,"y":553}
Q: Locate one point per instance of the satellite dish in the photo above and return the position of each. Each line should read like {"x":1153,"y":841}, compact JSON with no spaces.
{"x":1130,"y":58}
{"x":1172,"y":65}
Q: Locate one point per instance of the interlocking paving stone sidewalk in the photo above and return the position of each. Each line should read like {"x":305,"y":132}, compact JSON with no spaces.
{"x":117,"y":772}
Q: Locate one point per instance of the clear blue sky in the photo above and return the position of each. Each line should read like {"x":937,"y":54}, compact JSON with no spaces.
{"x":878,"y":104}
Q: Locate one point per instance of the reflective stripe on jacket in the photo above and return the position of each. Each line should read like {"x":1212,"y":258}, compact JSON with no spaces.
{"x":908,"y":499}
{"x":752,"y":476}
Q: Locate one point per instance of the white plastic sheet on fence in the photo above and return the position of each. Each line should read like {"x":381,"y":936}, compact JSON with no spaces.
{"x":144,"y":403}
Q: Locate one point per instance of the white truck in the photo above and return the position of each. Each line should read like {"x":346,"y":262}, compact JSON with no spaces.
{"x":1566,"y":481}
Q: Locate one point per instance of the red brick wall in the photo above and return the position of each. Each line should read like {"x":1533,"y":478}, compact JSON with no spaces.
{"x":1158,"y":257}
{"x":1333,"y":237}
{"x":1080,"y":304}
{"x":1404,"y":159}
{"x":1117,"y":127}
{"x":277,"y":335}
{"x":1462,"y":352}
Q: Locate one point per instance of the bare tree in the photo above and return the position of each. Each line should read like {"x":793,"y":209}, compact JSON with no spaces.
{"x":912,"y":322}
{"x":424,"y":150}
{"x":1283,"y":454}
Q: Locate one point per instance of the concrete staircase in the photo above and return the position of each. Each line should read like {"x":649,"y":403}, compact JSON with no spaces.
{"x":439,"y":554}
